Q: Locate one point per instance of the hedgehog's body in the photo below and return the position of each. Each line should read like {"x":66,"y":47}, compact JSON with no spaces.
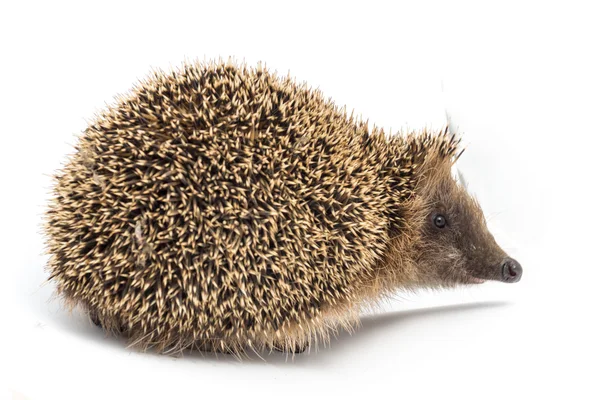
{"x":221,"y":207}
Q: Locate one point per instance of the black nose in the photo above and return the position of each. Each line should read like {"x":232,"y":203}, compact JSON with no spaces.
{"x":511,"y":270}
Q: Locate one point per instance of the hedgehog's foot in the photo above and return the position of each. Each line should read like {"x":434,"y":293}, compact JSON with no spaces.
{"x":107,"y":325}
{"x":95,"y":319}
{"x":215,"y":348}
{"x":296,"y":348}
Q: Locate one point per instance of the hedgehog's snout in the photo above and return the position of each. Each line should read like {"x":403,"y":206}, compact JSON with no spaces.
{"x":511,"y":270}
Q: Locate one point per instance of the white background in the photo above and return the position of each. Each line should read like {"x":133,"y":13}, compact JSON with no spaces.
{"x":520,"y":79}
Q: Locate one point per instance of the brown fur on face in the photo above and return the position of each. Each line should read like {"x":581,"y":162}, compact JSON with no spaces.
{"x":461,"y":252}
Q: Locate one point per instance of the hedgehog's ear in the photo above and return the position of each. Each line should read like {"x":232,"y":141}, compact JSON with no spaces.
{"x":458,"y":176}
{"x":433,"y":156}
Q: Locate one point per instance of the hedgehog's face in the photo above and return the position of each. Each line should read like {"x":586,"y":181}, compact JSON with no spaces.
{"x":456,"y":246}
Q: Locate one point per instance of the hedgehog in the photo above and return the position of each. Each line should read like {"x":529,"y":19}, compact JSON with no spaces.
{"x":221,"y":207}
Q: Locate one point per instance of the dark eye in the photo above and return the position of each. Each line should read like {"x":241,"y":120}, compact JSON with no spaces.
{"x":439,"y":220}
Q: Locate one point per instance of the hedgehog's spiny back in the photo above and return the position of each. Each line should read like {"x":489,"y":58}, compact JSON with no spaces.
{"x":218,"y":202}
